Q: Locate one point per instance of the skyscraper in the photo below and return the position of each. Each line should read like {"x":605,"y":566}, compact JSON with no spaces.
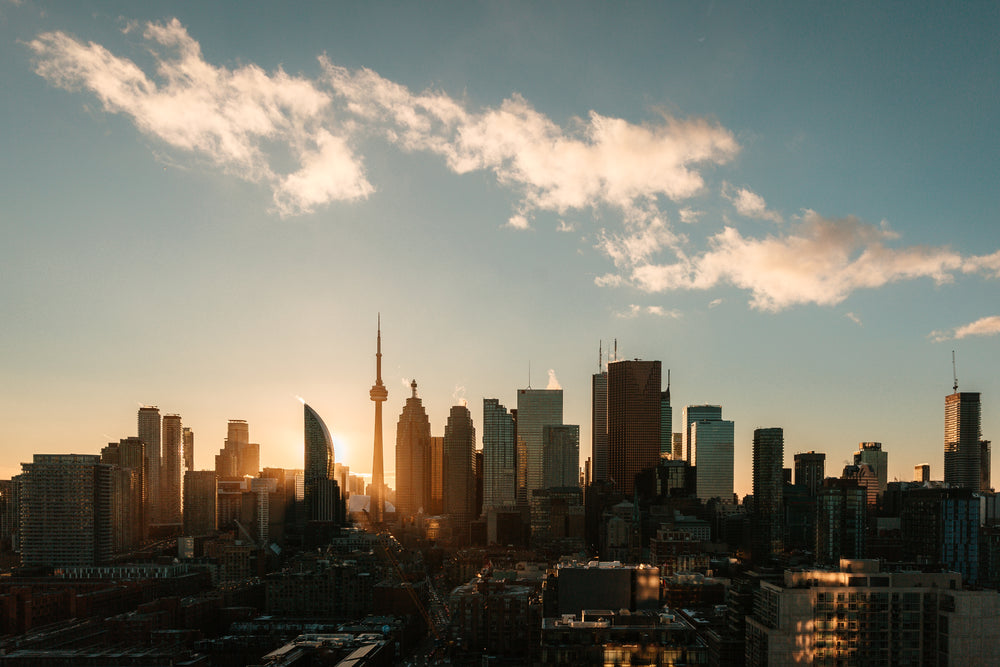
{"x":459,"y":471}
{"x":768,"y":457}
{"x":561,"y":463}
{"x":130,"y":454}
{"x":712,"y":457}
{"x":694,"y":413}
{"x":413,"y":458}
{"x":188,"y":437}
{"x":170,"y":470}
{"x":319,"y":456}
{"x":962,"y":434}
{"x":872,"y":454}
{"x":200,"y":502}
{"x":666,"y":421}
{"x":634,"y":418}
{"x":149,"y":433}
{"x":499,"y":456}
{"x":378,"y":395}
{"x":599,"y":425}
{"x":536,"y":409}
{"x":810,"y":470}
{"x":66,"y":510}
{"x":437,"y":475}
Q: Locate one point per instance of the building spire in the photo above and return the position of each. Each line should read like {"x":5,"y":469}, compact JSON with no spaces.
{"x":668,"y":384}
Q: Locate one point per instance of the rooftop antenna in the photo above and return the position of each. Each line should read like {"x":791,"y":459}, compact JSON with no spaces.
{"x":668,"y":384}
{"x":529,"y":374}
{"x":954,"y":372}
{"x":600,"y":355}
{"x":616,"y":349}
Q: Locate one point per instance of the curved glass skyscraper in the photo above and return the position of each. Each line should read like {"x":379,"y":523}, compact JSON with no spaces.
{"x":318,"y":459}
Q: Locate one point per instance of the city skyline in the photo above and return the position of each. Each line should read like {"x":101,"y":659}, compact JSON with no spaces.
{"x":798,"y":222}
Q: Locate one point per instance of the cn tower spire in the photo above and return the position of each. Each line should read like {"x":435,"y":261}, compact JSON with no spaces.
{"x":378,"y":395}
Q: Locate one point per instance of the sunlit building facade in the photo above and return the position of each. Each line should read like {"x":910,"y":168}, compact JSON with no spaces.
{"x":149,"y":433}
{"x":695,"y":413}
{"x":170,"y":469}
{"x":413,"y":457}
{"x":599,"y":425}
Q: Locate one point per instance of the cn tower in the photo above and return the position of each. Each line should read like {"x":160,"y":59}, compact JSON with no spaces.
{"x":378,"y":395}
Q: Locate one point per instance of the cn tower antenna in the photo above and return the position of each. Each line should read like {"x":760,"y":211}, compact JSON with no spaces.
{"x":954,"y":372}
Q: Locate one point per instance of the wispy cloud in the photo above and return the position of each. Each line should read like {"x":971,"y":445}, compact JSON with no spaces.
{"x":715,"y":302}
{"x":985,"y":326}
{"x":854,"y":318}
{"x":564,"y":226}
{"x":228,"y":116}
{"x":239,"y":118}
{"x":634,"y":310}
{"x":749,"y":204}
{"x":820,"y":261}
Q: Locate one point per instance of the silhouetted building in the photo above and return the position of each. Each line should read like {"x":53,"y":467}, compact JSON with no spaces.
{"x":872,"y":454}
{"x":319,"y":468}
{"x":459,"y":471}
{"x":413,"y":458}
{"x":666,"y":422}
{"x":599,"y":424}
{"x":841,"y":511}
{"x":768,"y":456}
{"x":149,"y":434}
{"x":437,"y":475}
{"x":962,"y":434}
{"x":130,"y":453}
{"x":200,"y":502}
{"x":66,"y":505}
{"x":561,"y":463}
{"x":941,"y":527}
{"x":922,"y":472}
{"x":499,"y":456}
{"x":170,"y":469}
{"x":378,"y":395}
{"x":187,"y":435}
{"x":633,"y":420}
{"x":810,"y":470}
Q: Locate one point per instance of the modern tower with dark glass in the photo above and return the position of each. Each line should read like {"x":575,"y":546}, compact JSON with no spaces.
{"x":378,"y":395}
{"x":319,"y":456}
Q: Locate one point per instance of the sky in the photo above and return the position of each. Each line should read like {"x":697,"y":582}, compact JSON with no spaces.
{"x":205,"y":207}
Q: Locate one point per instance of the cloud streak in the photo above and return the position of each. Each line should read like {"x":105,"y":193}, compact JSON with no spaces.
{"x":984,"y":326}
{"x":819,"y":261}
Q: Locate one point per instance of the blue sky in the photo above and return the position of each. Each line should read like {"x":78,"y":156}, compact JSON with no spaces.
{"x":204,"y":208}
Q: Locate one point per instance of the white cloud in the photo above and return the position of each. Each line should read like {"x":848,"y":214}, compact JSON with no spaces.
{"x":715,"y":302}
{"x":689,"y":215}
{"x":854,"y":318}
{"x":553,"y":381}
{"x":984,"y":326}
{"x":819,"y":261}
{"x":518,"y":221}
{"x":228,"y":116}
{"x":634,"y":310}
{"x":988,"y":264}
{"x":750,"y":204}
{"x":564,"y":226}
{"x":597,"y":160}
